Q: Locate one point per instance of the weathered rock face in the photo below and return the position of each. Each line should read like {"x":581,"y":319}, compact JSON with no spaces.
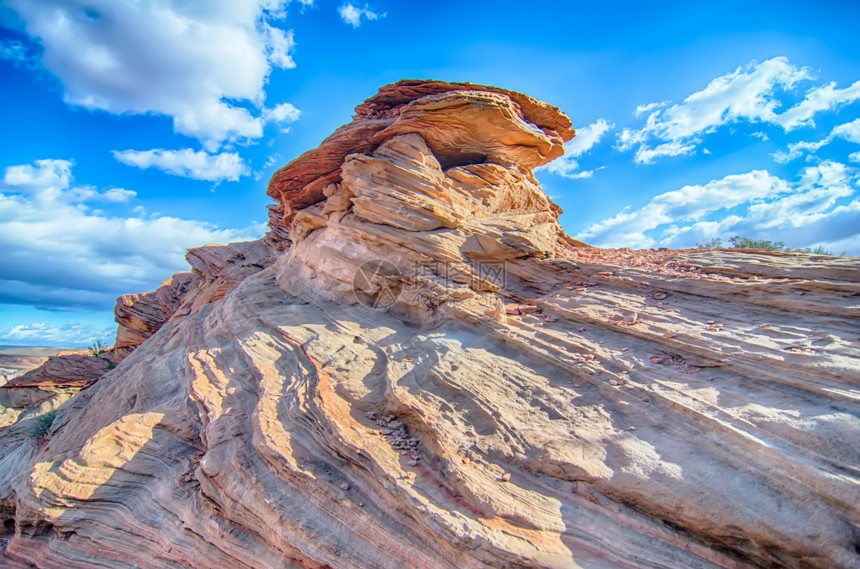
{"x":432,"y":375}
{"x":65,"y":372}
{"x":462,"y":123}
{"x":216,"y":270}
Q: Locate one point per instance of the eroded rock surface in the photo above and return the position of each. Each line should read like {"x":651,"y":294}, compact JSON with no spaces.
{"x":430,"y":374}
{"x":463,"y":123}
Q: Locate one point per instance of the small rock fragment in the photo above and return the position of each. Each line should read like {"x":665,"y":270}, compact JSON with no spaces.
{"x":506,"y":477}
{"x":466,"y":460}
{"x":344,"y":486}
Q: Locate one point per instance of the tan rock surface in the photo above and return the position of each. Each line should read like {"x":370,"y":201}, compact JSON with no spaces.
{"x":62,"y":371}
{"x":432,"y":376}
{"x":462,"y":122}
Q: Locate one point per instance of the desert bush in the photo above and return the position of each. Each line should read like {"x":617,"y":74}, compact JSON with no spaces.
{"x":747,"y":243}
{"x":739,"y":242}
{"x":43,"y":424}
{"x":97,"y":348}
{"x":714,"y":243}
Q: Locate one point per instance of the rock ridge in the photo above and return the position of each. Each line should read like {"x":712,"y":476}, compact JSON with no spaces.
{"x":416,"y":367}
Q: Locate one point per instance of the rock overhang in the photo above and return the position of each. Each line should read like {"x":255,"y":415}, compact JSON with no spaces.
{"x":461,"y":123}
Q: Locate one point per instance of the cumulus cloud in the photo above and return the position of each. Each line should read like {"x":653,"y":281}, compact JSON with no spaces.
{"x":203,"y":64}
{"x":197,"y":165}
{"x":283,"y":113}
{"x":42,"y":334}
{"x":820,"y":208}
{"x":847,"y":131}
{"x":352,"y":14}
{"x":41,"y":174}
{"x":279,"y":46}
{"x":586,"y":138}
{"x":57,"y":253}
{"x":119,"y":195}
{"x":750,"y":94}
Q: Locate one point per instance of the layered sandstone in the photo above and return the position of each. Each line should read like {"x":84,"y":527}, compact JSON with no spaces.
{"x":426,"y":372}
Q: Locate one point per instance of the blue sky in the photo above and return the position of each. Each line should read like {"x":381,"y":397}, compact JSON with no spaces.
{"x":134,"y":130}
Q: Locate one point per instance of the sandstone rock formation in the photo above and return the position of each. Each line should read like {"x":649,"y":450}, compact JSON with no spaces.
{"x":426,"y":372}
{"x":59,"y":373}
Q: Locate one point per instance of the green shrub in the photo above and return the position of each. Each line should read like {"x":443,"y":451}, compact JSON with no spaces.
{"x":714,"y":243}
{"x":43,"y":424}
{"x":747,"y":243}
{"x":97,"y":348}
{"x":763,"y":245}
{"x":820,"y":250}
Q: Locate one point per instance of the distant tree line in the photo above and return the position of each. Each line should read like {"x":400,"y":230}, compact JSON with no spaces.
{"x":739,"y":242}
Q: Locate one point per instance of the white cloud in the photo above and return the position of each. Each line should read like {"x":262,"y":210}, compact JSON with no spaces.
{"x":586,"y":138}
{"x":42,"y":334}
{"x":745,"y":95}
{"x":642,"y":109}
{"x":285,"y":112}
{"x":352,"y":15}
{"x":185,"y":60}
{"x":646,"y":155}
{"x":847,"y":131}
{"x":187,"y":163}
{"x":821,"y":98}
{"x":45,"y":173}
{"x":56,"y":253}
{"x":819,"y":209}
{"x":854,"y":156}
{"x":119,"y":195}
{"x":279,"y":45}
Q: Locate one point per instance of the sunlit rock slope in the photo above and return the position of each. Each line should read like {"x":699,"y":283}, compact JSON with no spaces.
{"x":417,"y":368}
